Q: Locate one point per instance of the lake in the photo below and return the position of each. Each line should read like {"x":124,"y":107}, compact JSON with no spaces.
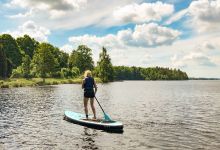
{"x":156,"y":115}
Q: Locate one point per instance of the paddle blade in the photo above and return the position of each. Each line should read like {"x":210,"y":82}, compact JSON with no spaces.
{"x":107,"y":118}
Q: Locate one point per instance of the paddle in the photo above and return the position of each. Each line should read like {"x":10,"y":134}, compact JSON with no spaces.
{"x":106,"y":116}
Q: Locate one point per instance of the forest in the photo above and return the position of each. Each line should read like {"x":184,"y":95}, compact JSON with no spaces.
{"x":24,"y":57}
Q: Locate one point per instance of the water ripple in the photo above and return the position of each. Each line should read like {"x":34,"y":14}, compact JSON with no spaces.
{"x":156,"y":115}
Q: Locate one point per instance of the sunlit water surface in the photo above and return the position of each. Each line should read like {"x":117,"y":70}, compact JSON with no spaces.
{"x":156,"y":115}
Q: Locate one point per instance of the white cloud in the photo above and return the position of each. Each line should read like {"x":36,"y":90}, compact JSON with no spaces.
{"x":208,"y":45}
{"x":145,"y":35}
{"x":205,"y":15}
{"x":54,"y":9}
{"x":30,"y":28}
{"x":177,"y":16}
{"x":64,"y":14}
{"x":109,"y":40}
{"x":48,"y":4}
{"x":67,"y":48}
{"x":197,"y":55}
{"x":216,"y":59}
{"x":145,"y":12}
{"x":22,"y":15}
{"x":71,"y":14}
{"x":54,"y":14}
{"x":192,"y":59}
{"x":145,"y":59}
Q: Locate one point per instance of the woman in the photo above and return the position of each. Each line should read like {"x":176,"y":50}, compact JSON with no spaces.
{"x":88,"y":85}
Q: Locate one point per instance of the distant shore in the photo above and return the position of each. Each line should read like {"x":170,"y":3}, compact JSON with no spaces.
{"x":204,"y":78}
{"x":22,"y":82}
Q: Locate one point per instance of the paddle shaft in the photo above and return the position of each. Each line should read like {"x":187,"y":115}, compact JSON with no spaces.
{"x":100,"y":105}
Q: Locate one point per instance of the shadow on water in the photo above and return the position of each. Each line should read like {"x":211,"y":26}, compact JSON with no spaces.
{"x":88,"y":139}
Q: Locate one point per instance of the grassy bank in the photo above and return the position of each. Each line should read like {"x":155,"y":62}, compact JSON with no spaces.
{"x":21,"y":82}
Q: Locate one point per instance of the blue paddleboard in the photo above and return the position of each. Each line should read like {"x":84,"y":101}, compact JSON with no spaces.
{"x":80,"y":119}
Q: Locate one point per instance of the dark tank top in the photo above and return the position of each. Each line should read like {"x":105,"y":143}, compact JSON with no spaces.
{"x":89,"y":82}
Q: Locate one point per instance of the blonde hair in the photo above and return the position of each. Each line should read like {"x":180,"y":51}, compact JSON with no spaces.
{"x":87,"y":73}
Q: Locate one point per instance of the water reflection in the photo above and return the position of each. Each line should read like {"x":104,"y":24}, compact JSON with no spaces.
{"x":88,"y":139}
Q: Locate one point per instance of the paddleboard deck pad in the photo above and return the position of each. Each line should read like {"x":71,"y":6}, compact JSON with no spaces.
{"x":80,"y":119}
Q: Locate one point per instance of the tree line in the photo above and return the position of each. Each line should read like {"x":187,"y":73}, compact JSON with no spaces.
{"x":24,"y":57}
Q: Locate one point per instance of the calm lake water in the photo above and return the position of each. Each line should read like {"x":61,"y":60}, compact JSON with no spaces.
{"x":156,"y":115}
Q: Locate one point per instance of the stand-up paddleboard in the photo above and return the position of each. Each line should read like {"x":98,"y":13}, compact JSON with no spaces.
{"x":80,"y":119}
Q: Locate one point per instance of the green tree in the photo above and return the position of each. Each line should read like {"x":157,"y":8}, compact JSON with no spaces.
{"x":72,"y":59}
{"x":63,"y":59}
{"x":44,"y":61}
{"x":104,"y":67}
{"x":26,"y":68}
{"x":75,"y":72}
{"x":70,"y":73}
{"x":151,"y":73}
{"x":56,"y":53}
{"x":17,"y":73}
{"x":27,"y":45}
{"x":23,"y":70}
{"x":66,"y":73}
{"x":12,"y":52}
{"x":3,"y":63}
{"x":81,"y":58}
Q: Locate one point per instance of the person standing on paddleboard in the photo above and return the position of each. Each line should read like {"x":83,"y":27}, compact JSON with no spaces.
{"x":88,"y":84}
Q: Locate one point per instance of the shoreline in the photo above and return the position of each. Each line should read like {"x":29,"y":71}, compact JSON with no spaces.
{"x":22,"y":82}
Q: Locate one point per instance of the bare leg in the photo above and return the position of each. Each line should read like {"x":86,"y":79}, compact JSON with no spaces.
{"x":86,"y":106}
{"x":93,"y":107}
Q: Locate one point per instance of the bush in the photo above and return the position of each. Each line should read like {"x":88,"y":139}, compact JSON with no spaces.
{"x":39,"y":83}
{"x":70,"y":81}
{"x":33,"y":72}
{"x":56,"y":74}
{"x":75,"y":72}
{"x":65,"y":73}
{"x":4,"y":86}
{"x":64,"y":82}
{"x":17,"y":84}
{"x":70,"y":73}
{"x":54,"y":82}
{"x":17,"y":73}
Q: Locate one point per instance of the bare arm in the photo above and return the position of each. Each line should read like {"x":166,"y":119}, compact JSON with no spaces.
{"x":95,"y":86}
{"x":83,"y":82}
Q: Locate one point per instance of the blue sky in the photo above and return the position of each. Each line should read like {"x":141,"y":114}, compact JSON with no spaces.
{"x":180,"y":34}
